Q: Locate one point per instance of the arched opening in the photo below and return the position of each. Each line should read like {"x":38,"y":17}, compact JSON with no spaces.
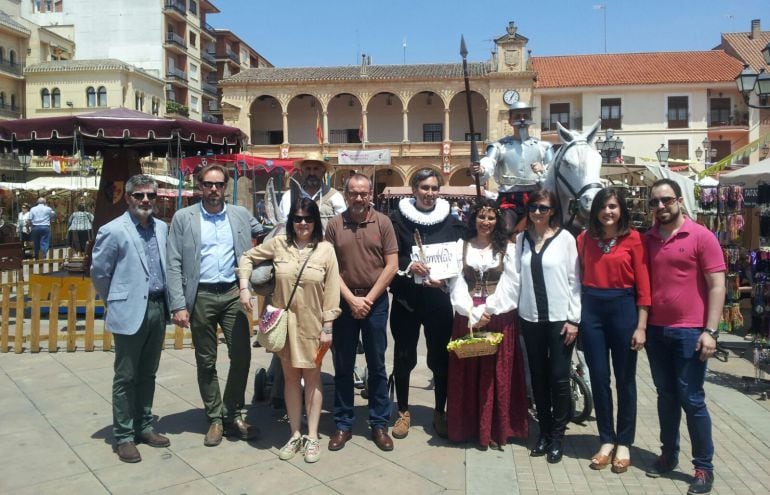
{"x":385,"y":119}
{"x":459,"y":129}
{"x":305,"y":118}
{"x":45,"y":98}
{"x":55,"y":98}
{"x":90,"y":96}
{"x":101,"y":97}
{"x":426,"y":117}
{"x":345,"y":119}
{"x":417,"y":169}
{"x":461,"y":177}
{"x":12,"y":57}
{"x":266,"y":121}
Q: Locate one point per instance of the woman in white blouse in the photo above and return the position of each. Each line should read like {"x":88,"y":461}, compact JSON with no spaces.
{"x":487,"y":396}
{"x":548,"y":298}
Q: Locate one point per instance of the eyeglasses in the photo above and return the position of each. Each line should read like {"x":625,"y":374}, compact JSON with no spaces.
{"x":362,"y":195}
{"x":139,"y":196}
{"x":539,"y":208}
{"x":302,"y":218}
{"x":208,"y":184}
{"x":664,"y":201}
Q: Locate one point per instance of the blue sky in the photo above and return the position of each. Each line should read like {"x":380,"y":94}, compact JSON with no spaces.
{"x":302,"y":33}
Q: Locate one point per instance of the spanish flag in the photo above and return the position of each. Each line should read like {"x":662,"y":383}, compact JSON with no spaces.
{"x":319,"y":133}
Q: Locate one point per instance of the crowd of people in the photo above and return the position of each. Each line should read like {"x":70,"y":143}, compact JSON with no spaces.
{"x":542,"y":289}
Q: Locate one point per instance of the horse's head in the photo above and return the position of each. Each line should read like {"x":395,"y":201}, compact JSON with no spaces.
{"x":575,"y":173}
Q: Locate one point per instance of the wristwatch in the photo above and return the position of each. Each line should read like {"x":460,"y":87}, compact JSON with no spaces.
{"x":327,"y":330}
{"x":713,"y":333}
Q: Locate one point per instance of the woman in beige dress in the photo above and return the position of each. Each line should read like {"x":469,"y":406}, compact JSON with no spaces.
{"x":314,"y":307}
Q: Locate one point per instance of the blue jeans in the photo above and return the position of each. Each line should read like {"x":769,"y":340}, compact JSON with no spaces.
{"x":678,"y":374}
{"x":606,"y":326}
{"x":375,"y":340}
{"x":41,"y":239}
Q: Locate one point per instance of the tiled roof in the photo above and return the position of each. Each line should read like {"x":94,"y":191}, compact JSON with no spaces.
{"x":620,"y":69}
{"x":80,"y":65}
{"x":353,"y":72}
{"x":747,"y":49}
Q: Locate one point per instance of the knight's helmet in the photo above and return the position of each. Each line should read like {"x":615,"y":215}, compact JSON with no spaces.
{"x":520,"y":116}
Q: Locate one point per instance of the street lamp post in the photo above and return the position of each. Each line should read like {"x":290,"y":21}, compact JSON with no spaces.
{"x":662,"y":155}
{"x":706,"y":150}
{"x":610,"y":147}
{"x":749,"y":81}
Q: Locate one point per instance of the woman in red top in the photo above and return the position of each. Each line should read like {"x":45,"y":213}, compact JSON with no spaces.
{"x":616,"y":297}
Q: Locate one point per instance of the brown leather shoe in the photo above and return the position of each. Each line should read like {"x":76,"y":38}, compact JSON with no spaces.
{"x":620,"y":466}
{"x":241,"y":429}
{"x":127,"y":452}
{"x":153,"y":439}
{"x":339,"y":439}
{"x":382,"y":439}
{"x":214,"y":435}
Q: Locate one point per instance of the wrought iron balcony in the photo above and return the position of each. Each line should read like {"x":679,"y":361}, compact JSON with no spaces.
{"x":177,"y":6}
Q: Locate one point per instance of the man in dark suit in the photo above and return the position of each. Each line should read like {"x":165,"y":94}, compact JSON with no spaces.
{"x":204,"y":245}
{"x":128,"y":271}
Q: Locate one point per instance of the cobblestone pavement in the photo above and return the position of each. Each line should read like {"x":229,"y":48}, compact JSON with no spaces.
{"x":55,"y":437}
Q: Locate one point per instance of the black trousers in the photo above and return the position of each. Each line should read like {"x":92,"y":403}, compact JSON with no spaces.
{"x":432,"y":311}
{"x":549,"y":366}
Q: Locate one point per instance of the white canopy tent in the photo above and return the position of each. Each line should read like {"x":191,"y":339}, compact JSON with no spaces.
{"x":749,"y":176}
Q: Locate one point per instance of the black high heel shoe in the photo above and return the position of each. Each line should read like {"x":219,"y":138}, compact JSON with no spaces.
{"x":541,"y":447}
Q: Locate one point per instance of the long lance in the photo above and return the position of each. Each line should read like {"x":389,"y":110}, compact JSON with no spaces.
{"x":474,"y":147}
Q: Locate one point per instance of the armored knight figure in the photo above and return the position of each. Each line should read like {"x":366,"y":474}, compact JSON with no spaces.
{"x":518,"y":164}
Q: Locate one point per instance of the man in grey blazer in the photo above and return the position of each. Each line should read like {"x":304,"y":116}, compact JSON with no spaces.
{"x":128,"y":271}
{"x":204,"y":245}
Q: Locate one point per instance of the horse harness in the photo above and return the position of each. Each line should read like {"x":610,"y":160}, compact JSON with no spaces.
{"x":572,"y":208}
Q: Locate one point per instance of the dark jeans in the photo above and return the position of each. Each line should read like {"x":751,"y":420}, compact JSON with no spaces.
{"x":433,"y":310}
{"x":223,"y":309}
{"x":607,"y":324}
{"x":678,"y":374}
{"x":374,"y":336}
{"x":549,"y":365}
{"x":136,"y":362}
{"x":41,"y":239}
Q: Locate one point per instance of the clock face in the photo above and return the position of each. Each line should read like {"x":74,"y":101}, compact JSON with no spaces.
{"x":511,"y":96}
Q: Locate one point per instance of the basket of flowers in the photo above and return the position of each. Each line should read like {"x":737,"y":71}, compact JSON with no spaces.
{"x":475,"y":345}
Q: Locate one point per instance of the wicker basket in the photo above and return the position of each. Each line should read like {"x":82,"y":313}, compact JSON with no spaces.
{"x":475,"y":349}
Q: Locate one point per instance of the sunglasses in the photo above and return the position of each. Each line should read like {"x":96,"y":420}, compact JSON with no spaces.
{"x":539,"y":208}
{"x":208,"y":184}
{"x":139,"y":196}
{"x":664,"y":201}
{"x":302,"y":218}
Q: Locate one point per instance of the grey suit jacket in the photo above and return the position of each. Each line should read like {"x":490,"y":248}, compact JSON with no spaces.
{"x":120,"y":273}
{"x":184,"y":250}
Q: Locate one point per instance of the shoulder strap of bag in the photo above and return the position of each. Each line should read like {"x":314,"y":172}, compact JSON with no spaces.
{"x":296,"y":282}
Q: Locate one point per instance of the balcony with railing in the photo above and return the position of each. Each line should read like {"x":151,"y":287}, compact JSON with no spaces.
{"x":209,"y":29}
{"x":208,"y":58}
{"x":233,"y":56}
{"x":10,"y":112}
{"x":209,"y":89}
{"x":11,"y":67}
{"x":176,"y":6}
{"x":176,"y":75}
{"x":549,"y":123}
{"x":725,"y":118}
{"x":177,"y":40}
{"x":207,"y":117}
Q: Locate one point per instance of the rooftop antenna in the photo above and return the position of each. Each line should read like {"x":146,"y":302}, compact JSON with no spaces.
{"x":603,"y":8}
{"x":403,"y":45}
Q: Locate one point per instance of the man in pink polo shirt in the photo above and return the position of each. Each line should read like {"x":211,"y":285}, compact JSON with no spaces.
{"x":687,"y":275}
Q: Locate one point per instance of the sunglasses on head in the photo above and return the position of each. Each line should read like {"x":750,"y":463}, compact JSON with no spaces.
{"x":140,"y":195}
{"x":539,"y":208}
{"x":664,"y":201}
{"x":209,"y":184}
{"x":302,"y":218}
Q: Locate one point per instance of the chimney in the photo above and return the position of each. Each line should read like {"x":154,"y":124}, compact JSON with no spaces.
{"x":755,"y":29}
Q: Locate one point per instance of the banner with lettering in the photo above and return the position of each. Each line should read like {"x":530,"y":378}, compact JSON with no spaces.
{"x":364,"y":157}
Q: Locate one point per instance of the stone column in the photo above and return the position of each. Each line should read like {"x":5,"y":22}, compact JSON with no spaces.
{"x":326,"y":127}
{"x":364,"y":126}
{"x":406,"y":126}
{"x":446,"y":124}
{"x":285,"y":127}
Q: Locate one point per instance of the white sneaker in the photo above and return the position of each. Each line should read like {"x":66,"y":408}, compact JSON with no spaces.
{"x":293,"y":446}
{"x":312,"y":449}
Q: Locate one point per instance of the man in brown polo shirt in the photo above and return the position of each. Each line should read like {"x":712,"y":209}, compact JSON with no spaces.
{"x":367,"y":253}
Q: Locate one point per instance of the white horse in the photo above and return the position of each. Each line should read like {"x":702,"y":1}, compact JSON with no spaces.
{"x":574,"y":174}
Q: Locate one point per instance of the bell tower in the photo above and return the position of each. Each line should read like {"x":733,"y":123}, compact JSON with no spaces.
{"x":511,"y":51}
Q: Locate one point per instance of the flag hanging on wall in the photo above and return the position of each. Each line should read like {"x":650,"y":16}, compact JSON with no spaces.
{"x":319,"y":134}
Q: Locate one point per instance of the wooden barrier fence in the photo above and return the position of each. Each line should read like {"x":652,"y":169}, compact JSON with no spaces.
{"x":13,"y":299}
